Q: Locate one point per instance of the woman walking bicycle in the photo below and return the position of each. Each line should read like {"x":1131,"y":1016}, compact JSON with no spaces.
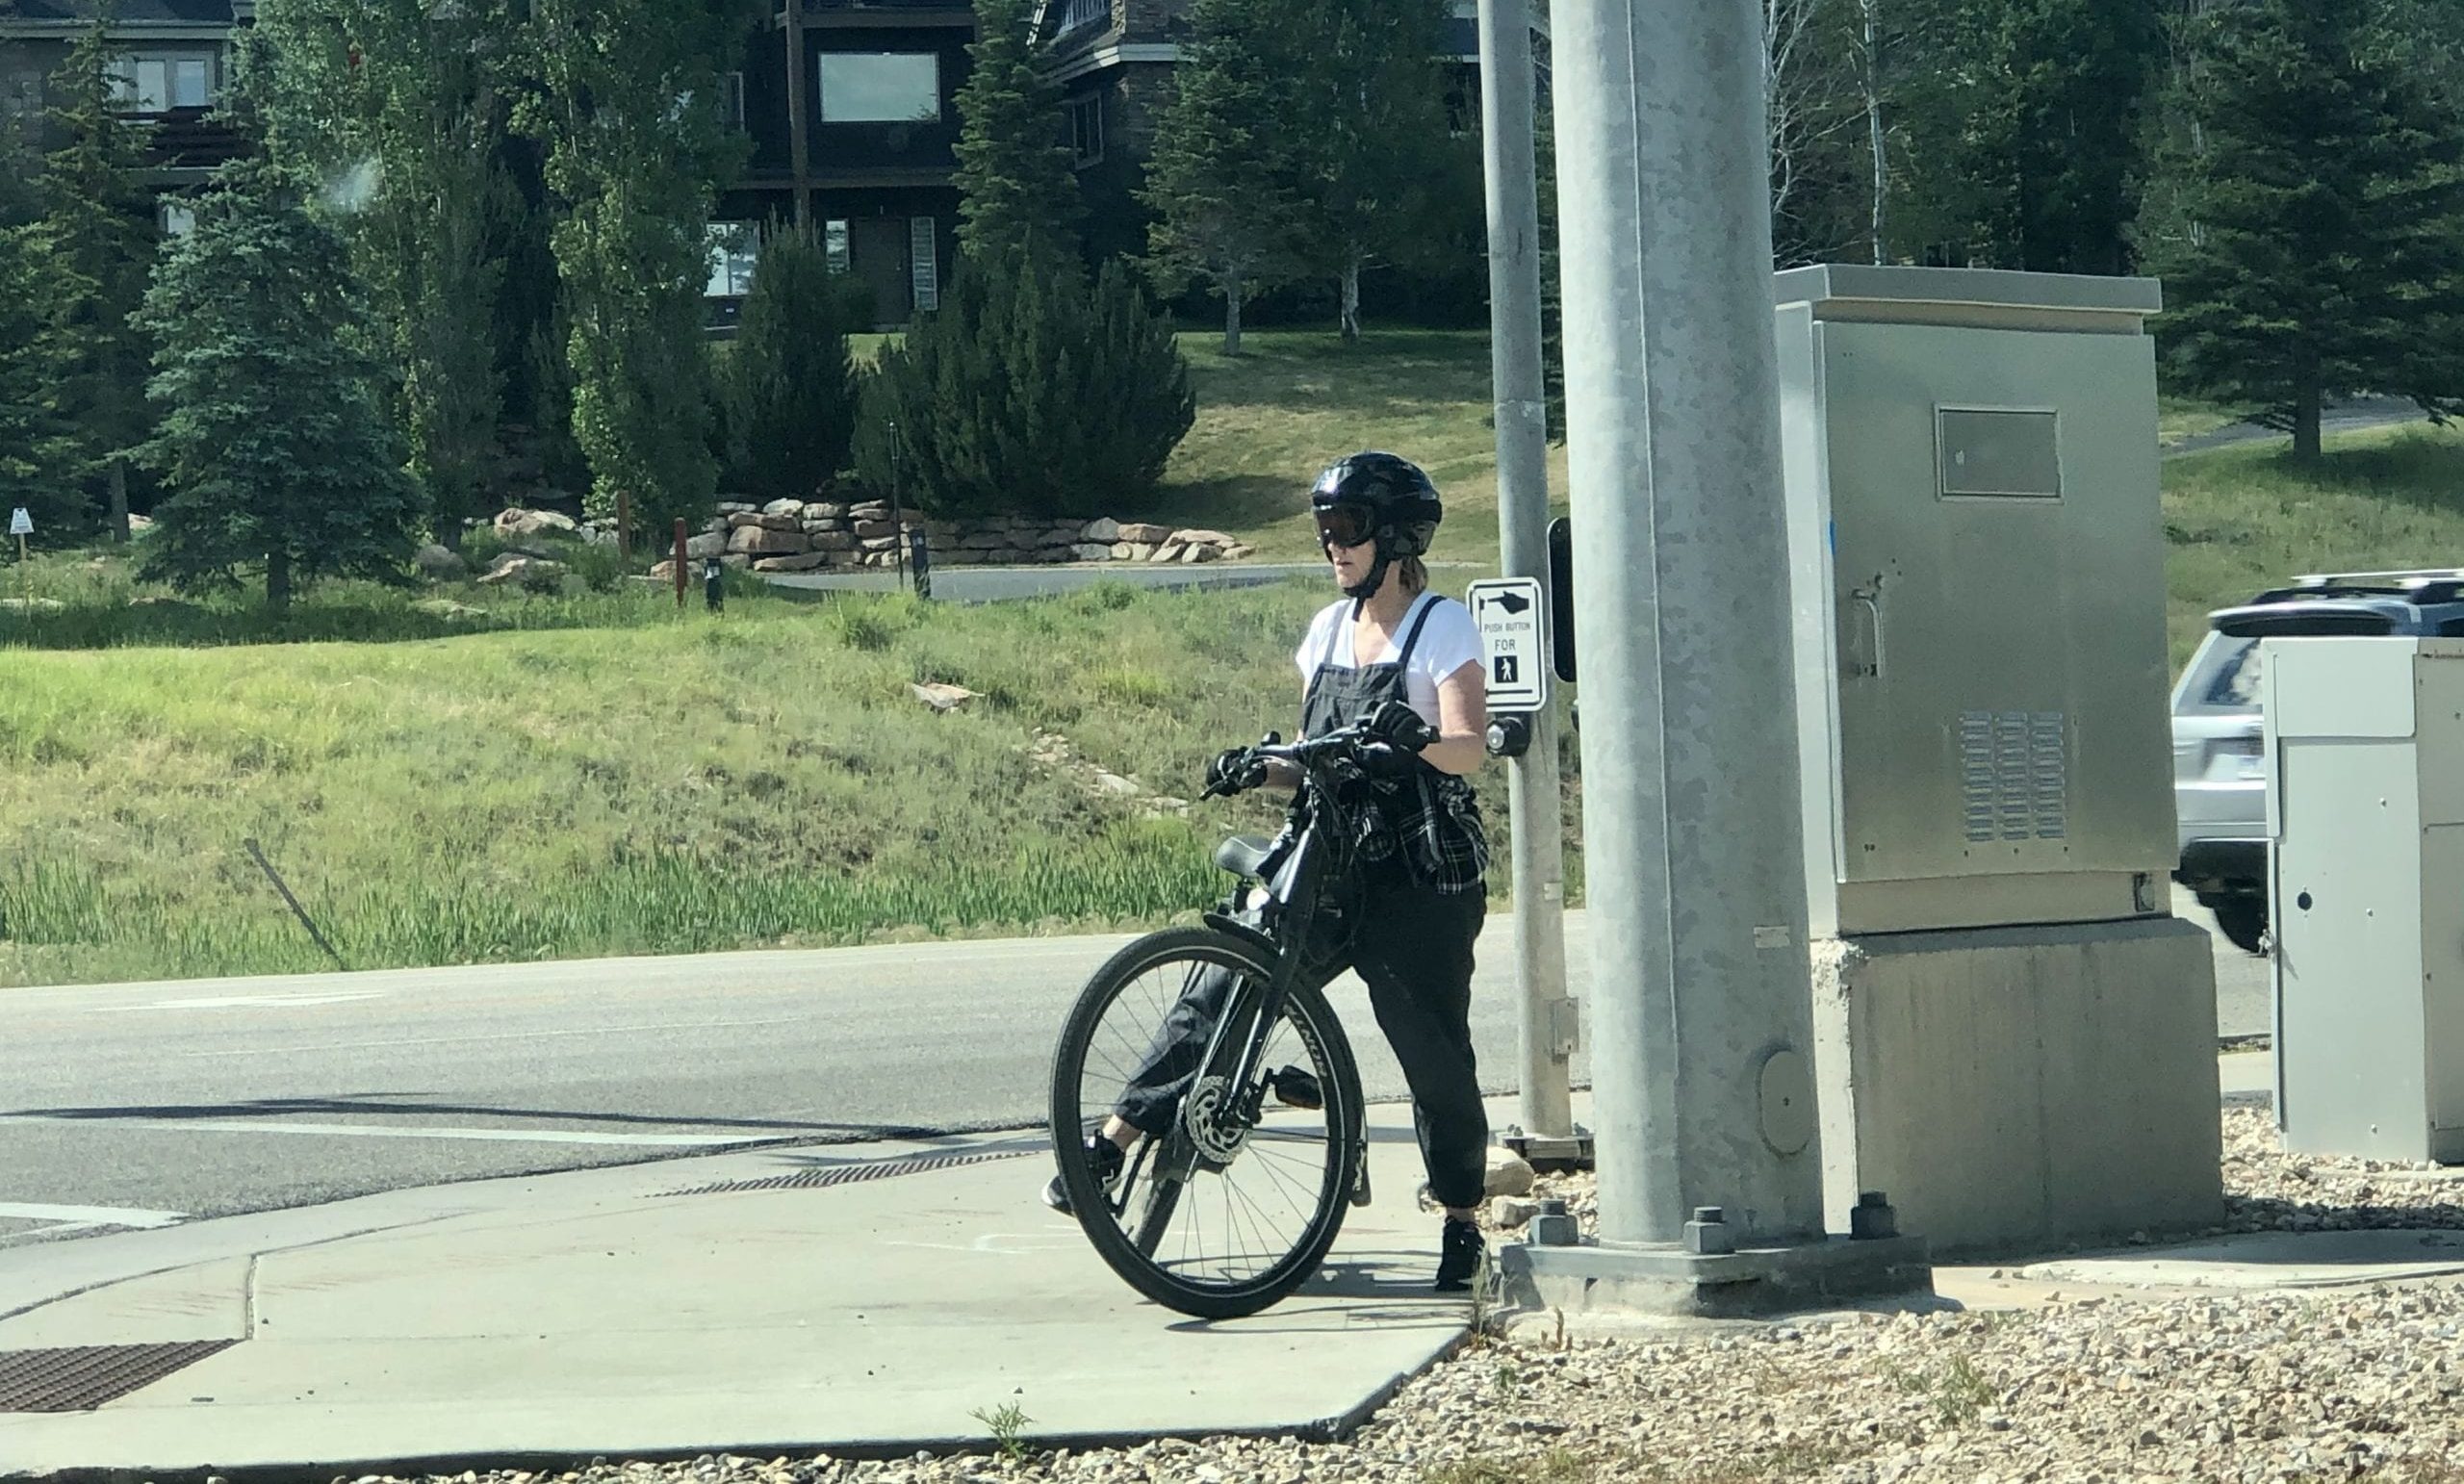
{"x":1381,"y":869}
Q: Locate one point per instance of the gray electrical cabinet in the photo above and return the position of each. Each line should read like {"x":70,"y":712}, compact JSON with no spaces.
{"x":1977,"y":578}
{"x":2365,"y":749}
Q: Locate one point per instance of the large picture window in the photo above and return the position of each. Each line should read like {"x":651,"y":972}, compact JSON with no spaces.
{"x":880,"y":87}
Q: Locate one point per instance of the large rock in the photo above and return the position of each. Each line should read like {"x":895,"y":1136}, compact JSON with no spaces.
{"x":1507,"y":1172}
{"x":1202,"y":553}
{"x":983,"y":541}
{"x":779,"y":522}
{"x":1091,"y":551}
{"x":824,"y":510}
{"x":805,"y":562}
{"x":1132,"y":552}
{"x":439,"y":563}
{"x":514,"y":521}
{"x":529,"y":571}
{"x":878,"y":545}
{"x":1168,"y":551}
{"x":832,"y":541}
{"x":784,"y":507}
{"x":876,"y":528}
{"x":737,"y":520}
{"x":761,"y":541}
{"x":708,"y":544}
{"x":1203,"y":538}
{"x":1103,"y":528}
{"x":737,"y":507}
{"x":1146,"y":535}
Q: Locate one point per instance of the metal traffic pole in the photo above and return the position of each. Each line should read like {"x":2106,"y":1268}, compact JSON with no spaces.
{"x":1548,"y":1134}
{"x":1701,"y":1011}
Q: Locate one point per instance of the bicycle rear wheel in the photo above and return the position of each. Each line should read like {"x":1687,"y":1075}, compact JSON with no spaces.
{"x":1235,"y":1194}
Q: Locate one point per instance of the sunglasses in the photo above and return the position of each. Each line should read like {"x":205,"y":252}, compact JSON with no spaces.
{"x":1344,"y":526}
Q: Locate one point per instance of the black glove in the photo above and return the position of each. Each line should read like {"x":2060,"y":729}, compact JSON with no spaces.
{"x":1235,"y":769}
{"x":1399,"y":726}
{"x":1384,"y":760}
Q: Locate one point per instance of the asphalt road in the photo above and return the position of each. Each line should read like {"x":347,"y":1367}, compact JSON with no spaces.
{"x":135,"y":1104}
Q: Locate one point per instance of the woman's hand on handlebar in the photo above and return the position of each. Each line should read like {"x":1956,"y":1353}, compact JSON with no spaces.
{"x":1234,"y":770}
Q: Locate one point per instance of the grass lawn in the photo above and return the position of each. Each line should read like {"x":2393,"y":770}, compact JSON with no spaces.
{"x":665,"y":783}
{"x":2246,"y":518}
{"x":598,"y":774}
{"x":1270,"y":419}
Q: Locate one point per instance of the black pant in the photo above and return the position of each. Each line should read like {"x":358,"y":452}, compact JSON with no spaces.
{"x":1414,"y":951}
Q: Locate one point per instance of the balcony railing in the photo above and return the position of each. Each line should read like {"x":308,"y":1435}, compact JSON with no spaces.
{"x":1080,"y":14}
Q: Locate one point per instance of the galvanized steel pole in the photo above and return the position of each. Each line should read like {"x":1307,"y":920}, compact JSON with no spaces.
{"x":1522,"y":529}
{"x":1702,"y":1015}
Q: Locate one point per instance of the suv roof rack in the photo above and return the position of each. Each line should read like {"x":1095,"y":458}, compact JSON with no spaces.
{"x":2413,"y":577}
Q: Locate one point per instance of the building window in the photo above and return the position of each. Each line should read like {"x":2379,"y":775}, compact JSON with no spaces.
{"x":178,"y":219}
{"x":140,"y":85}
{"x":834,"y":247}
{"x":880,"y":87}
{"x":923,"y":258}
{"x":731,"y":100}
{"x":734,"y":247}
{"x":191,"y":82}
{"x":152,"y":84}
{"x":1087,"y":128}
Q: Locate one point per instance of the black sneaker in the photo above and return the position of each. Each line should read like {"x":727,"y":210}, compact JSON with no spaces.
{"x":1458,"y":1256}
{"x":1107,"y":1157}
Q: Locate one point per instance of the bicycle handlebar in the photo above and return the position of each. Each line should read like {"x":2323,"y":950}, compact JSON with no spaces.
{"x":1307,"y":753}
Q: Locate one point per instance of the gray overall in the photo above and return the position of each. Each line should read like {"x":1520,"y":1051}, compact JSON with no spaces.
{"x":1413,"y":948}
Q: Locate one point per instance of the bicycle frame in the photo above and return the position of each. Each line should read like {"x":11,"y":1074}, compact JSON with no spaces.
{"x":1295,"y":896}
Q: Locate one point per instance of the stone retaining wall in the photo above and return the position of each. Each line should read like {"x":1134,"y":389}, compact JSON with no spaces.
{"x":794,"y":535}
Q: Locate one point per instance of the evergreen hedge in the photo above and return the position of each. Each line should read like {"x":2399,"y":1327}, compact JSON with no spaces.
{"x":1029,"y":392}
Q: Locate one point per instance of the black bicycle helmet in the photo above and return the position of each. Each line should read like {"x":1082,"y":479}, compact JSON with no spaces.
{"x":1395,"y":502}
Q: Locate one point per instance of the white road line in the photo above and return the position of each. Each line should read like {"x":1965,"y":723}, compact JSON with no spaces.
{"x":91,"y":1216}
{"x":497,"y":1036}
{"x":240,"y":1002}
{"x":395,"y":1131}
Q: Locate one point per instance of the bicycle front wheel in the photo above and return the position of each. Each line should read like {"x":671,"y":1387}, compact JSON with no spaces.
{"x":1233,"y":1194}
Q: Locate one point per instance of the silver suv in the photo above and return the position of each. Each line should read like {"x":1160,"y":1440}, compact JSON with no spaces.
{"x":2220,"y":764}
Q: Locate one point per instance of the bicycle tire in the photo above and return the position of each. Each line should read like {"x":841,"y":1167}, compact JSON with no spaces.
{"x":1309,"y":1015}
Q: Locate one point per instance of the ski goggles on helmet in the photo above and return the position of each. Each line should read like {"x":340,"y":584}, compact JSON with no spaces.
{"x":1345,"y":526}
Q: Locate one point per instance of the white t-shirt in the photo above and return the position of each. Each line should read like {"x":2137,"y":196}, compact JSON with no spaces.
{"x":1449,"y":640}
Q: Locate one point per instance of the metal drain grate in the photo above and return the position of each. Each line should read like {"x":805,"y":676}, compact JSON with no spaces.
{"x":845,"y":1174}
{"x":80,"y":1378}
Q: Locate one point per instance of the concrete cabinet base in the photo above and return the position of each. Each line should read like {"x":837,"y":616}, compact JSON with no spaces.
{"x":2012,"y":1087}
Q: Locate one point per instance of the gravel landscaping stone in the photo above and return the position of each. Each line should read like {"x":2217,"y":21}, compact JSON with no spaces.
{"x":2359,"y":1384}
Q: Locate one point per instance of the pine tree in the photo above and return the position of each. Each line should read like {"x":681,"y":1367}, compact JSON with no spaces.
{"x":1015,"y":180}
{"x":791,"y":385}
{"x":37,"y":448}
{"x":1222,"y":177}
{"x":2027,"y":124}
{"x":635,"y":160}
{"x":1375,"y":151}
{"x":1028,"y":392}
{"x":99,"y":235}
{"x":399,"y":100}
{"x":272,"y":444}
{"x":2327,"y":255}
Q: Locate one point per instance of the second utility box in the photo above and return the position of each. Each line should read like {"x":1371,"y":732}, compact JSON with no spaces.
{"x":2365,"y":749}
{"x":2015,"y":1040}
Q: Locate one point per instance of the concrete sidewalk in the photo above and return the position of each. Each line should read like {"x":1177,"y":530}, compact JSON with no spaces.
{"x":863,"y":1298}
{"x":603,"y":1311}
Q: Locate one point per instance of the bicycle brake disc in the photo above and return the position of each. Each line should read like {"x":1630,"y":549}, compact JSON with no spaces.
{"x":1212,"y":1123}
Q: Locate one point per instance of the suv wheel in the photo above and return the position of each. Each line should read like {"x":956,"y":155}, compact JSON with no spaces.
{"x":2244,"y":922}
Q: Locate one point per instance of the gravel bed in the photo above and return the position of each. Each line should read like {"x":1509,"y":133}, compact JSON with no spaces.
{"x":2357,"y":1384}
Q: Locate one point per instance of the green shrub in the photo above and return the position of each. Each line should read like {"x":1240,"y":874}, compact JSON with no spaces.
{"x":1029,"y":392}
{"x":790,"y":388}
